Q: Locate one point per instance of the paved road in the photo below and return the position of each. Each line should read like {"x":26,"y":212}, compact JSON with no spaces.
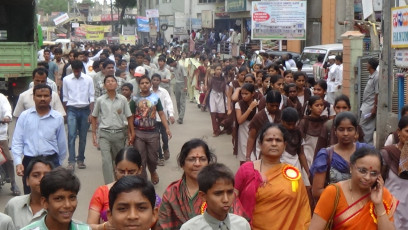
{"x":197,"y":124}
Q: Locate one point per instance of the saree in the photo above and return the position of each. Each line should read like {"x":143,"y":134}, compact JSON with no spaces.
{"x":278,"y":205}
{"x":397,"y":185}
{"x":359,"y":215}
{"x":177,"y":207}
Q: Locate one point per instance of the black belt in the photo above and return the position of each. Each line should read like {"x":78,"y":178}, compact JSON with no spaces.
{"x":112,"y":130}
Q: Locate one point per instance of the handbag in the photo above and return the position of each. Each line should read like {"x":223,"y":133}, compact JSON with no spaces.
{"x":329,"y":223}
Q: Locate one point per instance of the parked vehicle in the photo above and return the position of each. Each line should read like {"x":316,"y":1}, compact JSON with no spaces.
{"x":18,"y":46}
{"x":310,"y":54}
{"x":279,"y":54}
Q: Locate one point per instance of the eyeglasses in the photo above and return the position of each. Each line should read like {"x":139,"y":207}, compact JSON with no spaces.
{"x":364,"y":171}
{"x":126,"y":171}
{"x":193,"y":160}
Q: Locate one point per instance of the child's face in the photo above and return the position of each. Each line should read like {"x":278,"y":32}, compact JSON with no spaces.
{"x":123,"y":75}
{"x":279,"y":86}
{"x":34,"y":178}
{"x":272,"y":71}
{"x":266,"y":83}
{"x":300,"y":82}
{"x":319,"y":91}
{"x":241,"y":76}
{"x":144,"y":85}
{"x":341,"y":106}
{"x":126,"y":92}
{"x":292,"y":93}
{"x":256,"y":68}
{"x":218,"y":71}
{"x":132,"y":210}
{"x":60,"y":206}
{"x":161,"y":64}
{"x":289,"y":125}
{"x":317,"y":108}
{"x":219,"y":199}
{"x":155,"y":82}
{"x":249,"y":80}
{"x":272,"y":107}
{"x":246,"y":95}
{"x":111,"y":84}
{"x":258,"y":79}
{"x":289,"y":78}
{"x":123,"y":65}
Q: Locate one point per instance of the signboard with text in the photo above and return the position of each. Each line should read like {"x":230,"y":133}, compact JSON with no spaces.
{"x":152,"y":13}
{"x":399,"y":27}
{"x":401,"y":58}
{"x":95,"y":33}
{"x":236,"y":5}
{"x":279,"y":20}
{"x":60,"y":19}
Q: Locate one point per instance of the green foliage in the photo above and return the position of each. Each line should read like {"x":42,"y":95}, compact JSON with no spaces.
{"x":49,"y":6}
{"x":90,"y":2}
{"x":123,"y":5}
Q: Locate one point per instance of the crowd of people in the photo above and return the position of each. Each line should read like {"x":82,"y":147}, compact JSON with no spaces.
{"x":306,"y":161}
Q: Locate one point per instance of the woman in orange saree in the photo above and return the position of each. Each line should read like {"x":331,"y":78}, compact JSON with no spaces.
{"x":272,"y":193}
{"x":364,"y":203}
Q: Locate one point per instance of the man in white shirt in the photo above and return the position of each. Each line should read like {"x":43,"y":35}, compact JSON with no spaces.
{"x":78,"y":90}
{"x":335,"y":79}
{"x":5,"y":118}
{"x":26,"y":101}
{"x":164,"y":74}
{"x":168,"y":111}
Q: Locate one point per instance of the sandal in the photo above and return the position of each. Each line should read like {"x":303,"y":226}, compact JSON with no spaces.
{"x":155,"y":178}
{"x":15,"y":190}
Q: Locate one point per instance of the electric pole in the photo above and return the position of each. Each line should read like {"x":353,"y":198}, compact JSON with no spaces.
{"x":385,"y":77}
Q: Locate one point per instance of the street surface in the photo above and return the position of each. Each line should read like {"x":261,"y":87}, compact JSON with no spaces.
{"x":196,"y":124}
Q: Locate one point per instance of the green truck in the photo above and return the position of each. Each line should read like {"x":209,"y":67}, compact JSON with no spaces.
{"x":18,"y":46}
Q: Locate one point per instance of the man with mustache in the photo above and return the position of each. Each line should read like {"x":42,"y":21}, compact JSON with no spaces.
{"x":39,"y":131}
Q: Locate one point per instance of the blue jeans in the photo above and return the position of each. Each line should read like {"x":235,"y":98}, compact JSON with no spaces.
{"x":77,"y":124}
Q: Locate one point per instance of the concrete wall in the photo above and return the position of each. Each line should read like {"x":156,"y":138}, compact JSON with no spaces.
{"x":328,"y":21}
{"x":352,"y":49}
{"x":197,"y":7}
{"x":314,"y":18}
{"x":173,"y":6}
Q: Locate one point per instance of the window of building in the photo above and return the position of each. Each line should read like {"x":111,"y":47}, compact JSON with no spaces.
{"x":207,"y":1}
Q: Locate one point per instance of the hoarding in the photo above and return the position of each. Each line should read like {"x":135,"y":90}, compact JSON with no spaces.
{"x":279,"y":20}
{"x":152,"y":13}
{"x":60,"y":19}
{"x":399,"y":27}
{"x":95,"y":33}
{"x":236,"y":5}
{"x":143,"y":24}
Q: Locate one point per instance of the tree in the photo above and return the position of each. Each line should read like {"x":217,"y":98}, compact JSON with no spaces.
{"x":122,"y":5}
{"x":90,"y":2}
{"x":49,"y":6}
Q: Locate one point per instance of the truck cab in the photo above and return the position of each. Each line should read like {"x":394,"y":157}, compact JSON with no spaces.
{"x":18,"y":46}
